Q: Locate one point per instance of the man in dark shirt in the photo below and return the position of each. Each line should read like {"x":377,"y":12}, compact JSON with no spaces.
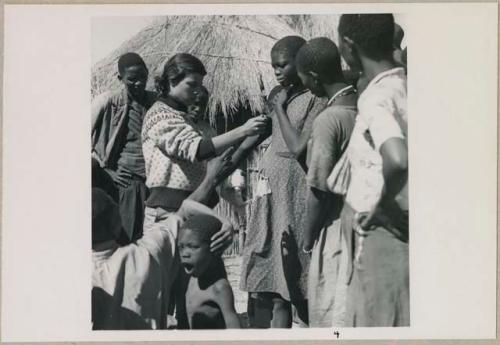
{"x":116,"y":140}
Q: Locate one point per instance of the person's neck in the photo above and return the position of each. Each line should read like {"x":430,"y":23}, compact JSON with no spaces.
{"x":296,"y":88}
{"x":173,"y":102}
{"x":138,"y":99}
{"x":372,"y":68}
{"x":332,"y":89}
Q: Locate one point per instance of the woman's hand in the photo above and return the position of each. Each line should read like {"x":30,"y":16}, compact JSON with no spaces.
{"x":279,"y":99}
{"x":255,"y":125}
{"x":222,"y":239}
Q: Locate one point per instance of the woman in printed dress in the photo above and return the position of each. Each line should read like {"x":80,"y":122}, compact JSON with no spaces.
{"x":274,"y":268}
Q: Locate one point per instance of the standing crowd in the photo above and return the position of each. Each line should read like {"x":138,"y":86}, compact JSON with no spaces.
{"x":327,"y":233}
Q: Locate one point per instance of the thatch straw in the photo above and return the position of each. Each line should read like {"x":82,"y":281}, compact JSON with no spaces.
{"x":316,"y":25}
{"x":234,"y":49}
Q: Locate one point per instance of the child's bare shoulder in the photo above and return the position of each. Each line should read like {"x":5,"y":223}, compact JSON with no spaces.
{"x":221,"y":288}
{"x":221,"y":285}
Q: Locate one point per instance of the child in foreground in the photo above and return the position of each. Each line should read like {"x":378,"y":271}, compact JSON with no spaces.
{"x":131,"y":284}
{"x":209,"y":297}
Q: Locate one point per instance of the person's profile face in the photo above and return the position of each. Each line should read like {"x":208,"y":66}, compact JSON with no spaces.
{"x":311,"y":83}
{"x":187,"y":89}
{"x":284,"y":68}
{"x":348,"y":52}
{"x":135,"y":78}
{"x":194,"y":252}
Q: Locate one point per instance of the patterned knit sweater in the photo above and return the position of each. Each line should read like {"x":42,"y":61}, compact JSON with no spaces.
{"x":170,"y":141}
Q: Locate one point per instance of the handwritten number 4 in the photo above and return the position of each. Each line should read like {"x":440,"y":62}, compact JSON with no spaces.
{"x":337,"y":334}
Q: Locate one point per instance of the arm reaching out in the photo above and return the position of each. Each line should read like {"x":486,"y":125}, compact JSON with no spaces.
{"x":221,"y":239}
{"x":254,"y":126}
{"x":225,"y":299}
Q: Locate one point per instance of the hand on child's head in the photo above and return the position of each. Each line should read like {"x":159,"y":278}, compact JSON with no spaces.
{"x":221,"y":240}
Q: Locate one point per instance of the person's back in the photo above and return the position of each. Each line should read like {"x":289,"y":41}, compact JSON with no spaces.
{"x":129,"y":282}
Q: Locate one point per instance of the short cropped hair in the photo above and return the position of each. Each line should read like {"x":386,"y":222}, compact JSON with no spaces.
{"x":288,"y":45}
{"x":372,"y":33}
{"x":130,"y":59}
{"x":205,"y":226}
{"x":320,"y":55}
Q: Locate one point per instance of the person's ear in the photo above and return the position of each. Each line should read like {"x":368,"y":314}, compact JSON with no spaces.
{"x":315,"y":77}
{"x":349,"y":43}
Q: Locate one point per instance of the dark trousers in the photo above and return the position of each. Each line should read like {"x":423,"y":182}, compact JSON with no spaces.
{"x":132,"y":204}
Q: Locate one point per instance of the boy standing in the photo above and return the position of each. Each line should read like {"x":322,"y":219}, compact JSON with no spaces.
{"x":117,"y":119}
{"x":209,"y":300}
{"x":375,"y":215}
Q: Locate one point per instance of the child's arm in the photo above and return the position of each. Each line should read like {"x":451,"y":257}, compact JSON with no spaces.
{"x":225,"y":299}
{"x":221,"y":239}
{"x":217,"y":166}
{"x":242,"y":152}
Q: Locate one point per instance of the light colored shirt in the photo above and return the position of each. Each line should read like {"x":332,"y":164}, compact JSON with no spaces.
{"x":382,"y":115}
{"x":131,"y":284}
{"x":170,"y":141}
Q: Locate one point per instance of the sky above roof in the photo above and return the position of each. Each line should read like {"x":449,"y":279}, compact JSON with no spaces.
{"x":108,"y":33}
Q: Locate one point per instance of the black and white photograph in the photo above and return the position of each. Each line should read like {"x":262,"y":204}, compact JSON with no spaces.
{"x":250,"y":172}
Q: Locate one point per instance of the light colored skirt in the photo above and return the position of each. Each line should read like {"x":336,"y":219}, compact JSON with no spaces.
{"x":327,"y":283}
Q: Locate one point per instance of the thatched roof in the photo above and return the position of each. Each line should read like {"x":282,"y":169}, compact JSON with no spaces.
{"x":234,"y":49}
{"x":314,"y":25}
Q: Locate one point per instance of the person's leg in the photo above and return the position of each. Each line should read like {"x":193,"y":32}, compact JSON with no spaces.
{"x":251,"y":310}
{"x":302,"y":312}
{"x":282,"y":312}
{"x":208,"y":316}
{"x":382,"y":277}
{"x":260,"y":310}
{"x":127,"y":206}
{"x":141,"y":194}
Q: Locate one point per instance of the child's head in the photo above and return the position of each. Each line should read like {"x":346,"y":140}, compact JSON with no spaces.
{"x":106,"y":222}
{"x":366,"y":35}
{"x":133,"y":73}
{"x":200,"y":104}
{"x":194,"y":243}
{"x":318,"y":63}
{"x":283,"y":59}
{"x":182,"y":77}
